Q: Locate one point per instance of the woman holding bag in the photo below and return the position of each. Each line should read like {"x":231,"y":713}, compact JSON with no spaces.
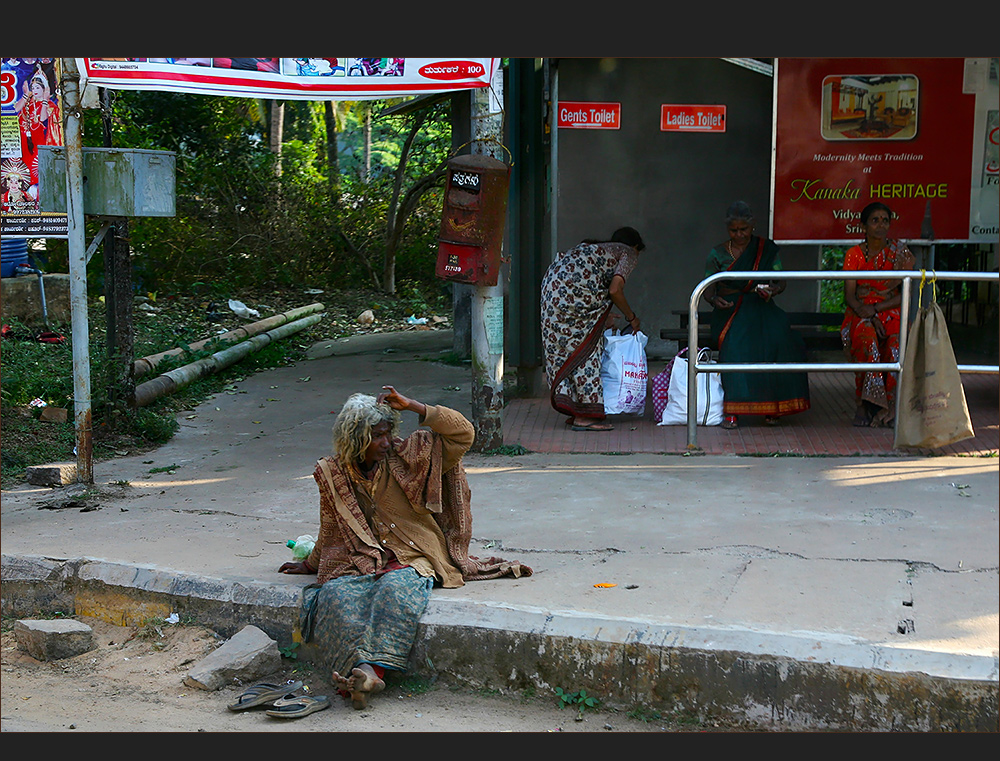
{"x":579,"y":290}
{"x":747,"y":326}
{"x":870,"y":331}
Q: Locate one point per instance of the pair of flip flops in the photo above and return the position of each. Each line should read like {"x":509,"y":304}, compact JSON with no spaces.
{"x":281,"y":699}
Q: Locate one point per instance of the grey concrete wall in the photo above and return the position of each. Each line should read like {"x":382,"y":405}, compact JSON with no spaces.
{"x":21,"y":298}
{"x":672,"y":187}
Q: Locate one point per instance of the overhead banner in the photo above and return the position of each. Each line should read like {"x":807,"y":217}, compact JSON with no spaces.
{"x":292,"y":78}
{"x":31,"y":116}
{"x":918,"y":134}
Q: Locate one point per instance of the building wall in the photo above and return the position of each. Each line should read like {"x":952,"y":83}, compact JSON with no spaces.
{"x":674,"y":188}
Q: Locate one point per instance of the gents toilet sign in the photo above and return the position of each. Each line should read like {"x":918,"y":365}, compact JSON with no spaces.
{"x":692,"y":118}
{"x":589,"y":115}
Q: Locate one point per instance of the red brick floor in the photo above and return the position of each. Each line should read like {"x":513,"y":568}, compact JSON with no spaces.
{"x":825,"y":429}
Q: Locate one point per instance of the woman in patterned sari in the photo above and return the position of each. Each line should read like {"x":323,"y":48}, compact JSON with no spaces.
{"x":747,"y":326}
{"x":870,"y":331}
{"x":579,"y":290}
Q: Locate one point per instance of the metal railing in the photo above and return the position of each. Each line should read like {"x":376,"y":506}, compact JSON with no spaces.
{"x":907,"y":276}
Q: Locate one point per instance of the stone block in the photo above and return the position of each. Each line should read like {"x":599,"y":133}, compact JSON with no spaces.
{"x":246,"y":657}
{"x":53,"y":474}
{"x":51,"y":640}
{"x":54,"y":415}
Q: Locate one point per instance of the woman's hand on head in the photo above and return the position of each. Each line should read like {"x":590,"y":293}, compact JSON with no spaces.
{"x":294,"y":566}
{"x":393,"y":398}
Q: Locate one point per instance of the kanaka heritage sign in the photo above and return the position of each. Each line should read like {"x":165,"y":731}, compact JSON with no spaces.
{"x":918,"y":134}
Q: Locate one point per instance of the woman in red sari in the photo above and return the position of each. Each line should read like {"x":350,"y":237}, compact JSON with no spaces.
{"x":870,"y":331}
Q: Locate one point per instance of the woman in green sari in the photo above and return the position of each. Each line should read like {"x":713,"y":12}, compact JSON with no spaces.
{"x":747,"y":326}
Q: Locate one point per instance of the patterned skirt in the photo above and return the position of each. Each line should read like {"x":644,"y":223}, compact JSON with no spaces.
{"x":365,"y":619}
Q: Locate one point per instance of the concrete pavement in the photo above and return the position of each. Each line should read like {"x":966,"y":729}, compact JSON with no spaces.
{"x":795,"y":592}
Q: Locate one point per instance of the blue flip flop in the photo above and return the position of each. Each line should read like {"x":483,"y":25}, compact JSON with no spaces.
{"x":263,"y":693}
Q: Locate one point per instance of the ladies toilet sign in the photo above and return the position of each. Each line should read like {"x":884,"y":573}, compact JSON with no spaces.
{"x":692,"y":118}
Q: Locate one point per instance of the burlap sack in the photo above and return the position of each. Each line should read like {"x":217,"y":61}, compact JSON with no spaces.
{"x":932,"y":407}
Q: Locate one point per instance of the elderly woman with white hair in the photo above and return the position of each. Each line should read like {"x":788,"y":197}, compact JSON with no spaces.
{"x":394,"y":520}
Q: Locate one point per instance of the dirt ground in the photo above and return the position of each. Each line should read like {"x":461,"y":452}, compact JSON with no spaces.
{"x":133,"y":682}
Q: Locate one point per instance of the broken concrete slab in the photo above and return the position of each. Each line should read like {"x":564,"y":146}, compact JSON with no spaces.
{"x":246,"y":657}
{"x":52,"y":474}
{"x":53,"y":639}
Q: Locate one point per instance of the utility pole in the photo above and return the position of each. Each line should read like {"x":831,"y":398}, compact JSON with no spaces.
{"x":487,"y":301}
{"x":118,"y":297}
{"x":76,"y":237}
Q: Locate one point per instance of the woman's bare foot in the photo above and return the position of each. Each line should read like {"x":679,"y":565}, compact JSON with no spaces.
{"x":361,"y":684}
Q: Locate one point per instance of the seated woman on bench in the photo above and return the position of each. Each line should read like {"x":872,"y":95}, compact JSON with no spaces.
{"x":747,"y":326}
{"x":870,"y":331}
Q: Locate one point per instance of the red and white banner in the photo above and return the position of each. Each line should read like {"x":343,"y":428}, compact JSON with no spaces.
{"x":292,"y":78}
{"x":918,"y":134}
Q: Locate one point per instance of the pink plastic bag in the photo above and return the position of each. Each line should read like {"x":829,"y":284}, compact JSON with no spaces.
{"x":661,"y":384}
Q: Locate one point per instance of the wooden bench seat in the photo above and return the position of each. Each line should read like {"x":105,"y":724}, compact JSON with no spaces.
{"x":814,"y":327}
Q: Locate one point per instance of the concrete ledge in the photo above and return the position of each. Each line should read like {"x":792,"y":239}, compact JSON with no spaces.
{"x":793,"y":681}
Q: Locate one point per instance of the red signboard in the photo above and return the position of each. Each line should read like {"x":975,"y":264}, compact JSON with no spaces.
{"x":589,"y":115}
{"x":918,"y":134}
{"x":692,"y":118}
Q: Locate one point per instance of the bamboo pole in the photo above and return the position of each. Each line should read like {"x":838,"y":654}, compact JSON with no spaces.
{"x":149,"y":363}
{"x":168,"y":382}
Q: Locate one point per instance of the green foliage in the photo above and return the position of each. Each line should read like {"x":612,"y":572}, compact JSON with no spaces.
{"x":290,"y":652}
{"x":241,"y":222}
{"x":831,"y":292}
{"x":511,"y":450}
{"x":28,"y":370}
{"x":413,"y":684}
{"x":580,"y":699}
{"x":644,"y":714}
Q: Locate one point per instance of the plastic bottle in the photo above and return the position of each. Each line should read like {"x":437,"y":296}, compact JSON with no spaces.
{"x":301,"y":547}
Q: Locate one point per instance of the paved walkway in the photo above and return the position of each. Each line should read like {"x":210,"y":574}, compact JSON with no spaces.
{"x":825,"y":429}
{"x":853,"y":571}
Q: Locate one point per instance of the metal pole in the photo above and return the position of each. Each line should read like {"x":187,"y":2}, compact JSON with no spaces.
{"x":76,"y":233}
{"x":487,"y":301}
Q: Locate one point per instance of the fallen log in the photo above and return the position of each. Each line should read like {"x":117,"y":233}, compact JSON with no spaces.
{"x":170,"y":381}
{"x":146,"y":364}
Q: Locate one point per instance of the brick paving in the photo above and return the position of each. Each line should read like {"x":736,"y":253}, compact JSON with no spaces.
{"x":825,"y":429}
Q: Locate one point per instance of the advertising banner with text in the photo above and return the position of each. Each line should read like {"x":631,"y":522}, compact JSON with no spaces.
{"x":31,"y":116}
{"x":918,"y":134}
{"x":292,"y":78}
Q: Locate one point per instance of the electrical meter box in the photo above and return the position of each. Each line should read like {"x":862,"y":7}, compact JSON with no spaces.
{"x":117,"y":182}
{"x":472,"y":222}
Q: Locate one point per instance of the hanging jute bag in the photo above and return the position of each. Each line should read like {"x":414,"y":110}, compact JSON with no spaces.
{"x":932,"y":407}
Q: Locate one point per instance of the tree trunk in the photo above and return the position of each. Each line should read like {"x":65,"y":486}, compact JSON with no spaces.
{"x":118,"y":298}
{"x":332,"y":151}
{"x":366,"y":170}
{"x":277,"y":127}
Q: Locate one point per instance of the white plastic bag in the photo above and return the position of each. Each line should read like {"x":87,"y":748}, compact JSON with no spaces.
{"x":709,"y":394}
{"x":624,"y":373}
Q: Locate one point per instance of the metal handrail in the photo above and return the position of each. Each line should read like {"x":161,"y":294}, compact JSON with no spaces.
{"x":907,"y":276}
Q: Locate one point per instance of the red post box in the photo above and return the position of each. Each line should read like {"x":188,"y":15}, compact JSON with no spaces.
{"x":472,"y":221}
